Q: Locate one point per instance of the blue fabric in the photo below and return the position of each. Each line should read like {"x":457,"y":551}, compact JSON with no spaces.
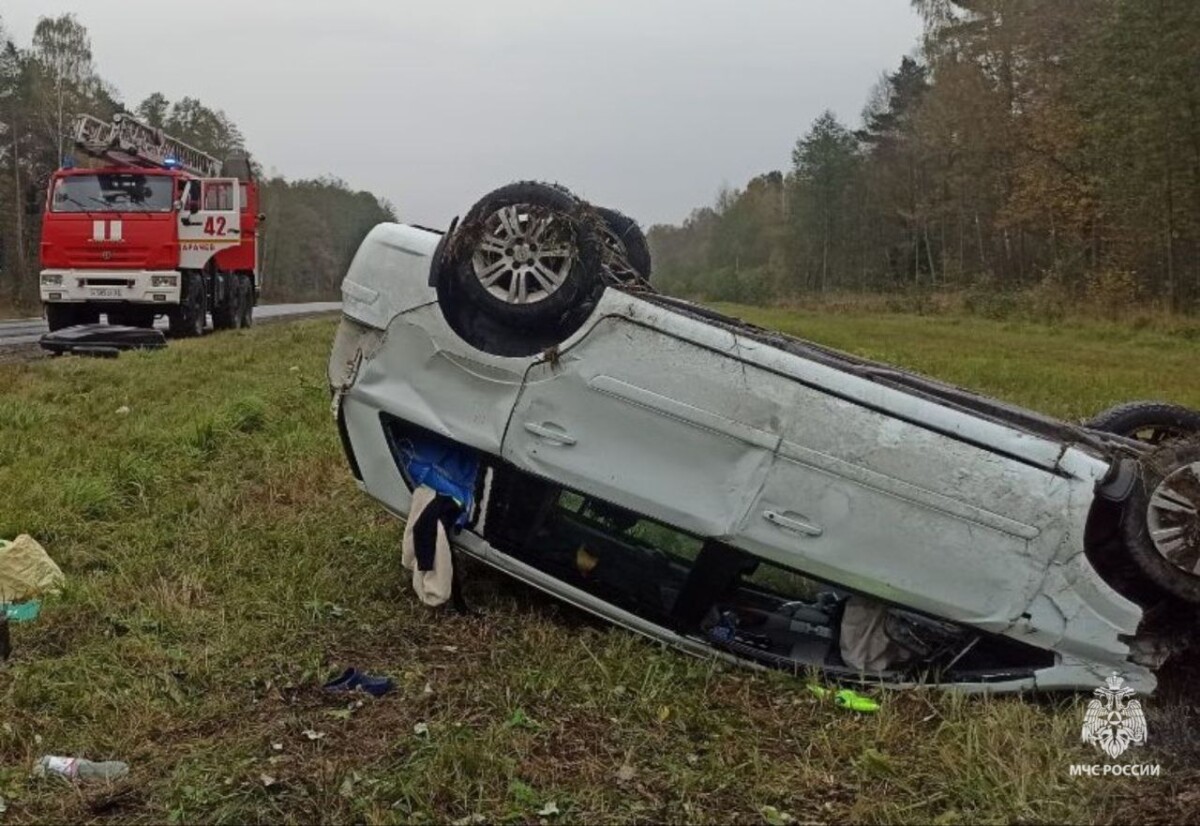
{"x":447,"y":468}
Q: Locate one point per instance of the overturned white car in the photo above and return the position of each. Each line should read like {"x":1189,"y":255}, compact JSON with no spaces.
{"x":734,"y":491}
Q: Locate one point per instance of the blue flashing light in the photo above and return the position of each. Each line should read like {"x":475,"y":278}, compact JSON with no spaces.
{"x":170,"y":162}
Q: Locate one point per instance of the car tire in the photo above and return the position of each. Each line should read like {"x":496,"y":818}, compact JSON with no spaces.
{"x":1154,"y":423}
{"x":1161,"y":523}
{"x":527,"y":256}
{"x":187,"y":319}
{"x":626,"y":248}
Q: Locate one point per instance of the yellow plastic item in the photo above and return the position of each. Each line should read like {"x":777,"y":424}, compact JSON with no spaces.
{"x":26,"y":570}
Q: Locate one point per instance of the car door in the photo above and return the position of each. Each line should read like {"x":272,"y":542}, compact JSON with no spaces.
{"x":895,"y":509}
{"x":209,"y":220}
{"x":675,"y":431}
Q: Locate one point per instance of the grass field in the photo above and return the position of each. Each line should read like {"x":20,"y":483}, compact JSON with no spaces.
{"x":221,"y":564}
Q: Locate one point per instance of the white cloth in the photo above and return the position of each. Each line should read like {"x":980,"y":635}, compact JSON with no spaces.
{"x":432,"y":587}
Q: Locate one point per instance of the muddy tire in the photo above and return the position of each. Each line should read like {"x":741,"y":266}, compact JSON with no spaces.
{"x":187,"y":319}
{"x":527,"y":256}
{"x":1161,"y":523}
{"x":1154,"y":423}
{"x":627,"y":252}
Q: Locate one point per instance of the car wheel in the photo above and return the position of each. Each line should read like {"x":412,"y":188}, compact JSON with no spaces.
{"x":187,"y":319}
{"x":1161,"y":524}
{"x":626,"y":252}
{"x":1151,"y":422}
{"x":527,"y":255}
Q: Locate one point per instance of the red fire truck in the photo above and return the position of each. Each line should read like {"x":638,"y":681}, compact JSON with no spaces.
{"x":153,"y":227}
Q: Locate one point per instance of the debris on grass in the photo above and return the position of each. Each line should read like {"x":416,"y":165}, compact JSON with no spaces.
{"x":26,"y":570}
{"x":772,"y":816}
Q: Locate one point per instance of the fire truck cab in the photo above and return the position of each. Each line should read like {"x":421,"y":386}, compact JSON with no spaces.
{"x":152,"y":227}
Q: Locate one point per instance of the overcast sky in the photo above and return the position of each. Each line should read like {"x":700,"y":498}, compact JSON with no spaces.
{"x":646,"y":105}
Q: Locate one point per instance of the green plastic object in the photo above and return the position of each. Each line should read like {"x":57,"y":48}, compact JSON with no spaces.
{"x":846,"y":698}
{"x":22,"y":611}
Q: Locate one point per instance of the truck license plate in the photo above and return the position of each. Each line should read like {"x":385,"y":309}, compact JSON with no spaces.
{"x":104,"y":292}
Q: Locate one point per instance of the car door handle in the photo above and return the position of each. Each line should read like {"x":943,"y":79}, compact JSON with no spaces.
{"x":793,"y":522}
{"x":551,"y":433}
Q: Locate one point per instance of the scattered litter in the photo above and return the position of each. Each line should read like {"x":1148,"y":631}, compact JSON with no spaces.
{"x":294,"y":369}
{"x":313,"y":735}
{"x":354,"y":680}
{"x":123,"y":410}
{"x":470,"y":820}
{"x":846,"y":698}
{"x":774,"y":817}
{"x":626,"y":773}
{"x":267,"y":780}
{"x":26,"y":570}
{"x":421,"y":729}
{"x":277,"y":746}
{"x":77,"y":768}
{"x":549,"y":810}
{"x":22,"y":611}
{"x":3,"y":806}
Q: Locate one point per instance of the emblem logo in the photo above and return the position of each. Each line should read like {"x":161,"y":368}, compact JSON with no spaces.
{"x":1114,"y":721}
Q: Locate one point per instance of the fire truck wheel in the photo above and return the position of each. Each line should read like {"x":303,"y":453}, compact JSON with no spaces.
{"x":225,"y":313}
{"x":187,"y":320}
{"x":247,"y":292}
{"x":59,"y":316}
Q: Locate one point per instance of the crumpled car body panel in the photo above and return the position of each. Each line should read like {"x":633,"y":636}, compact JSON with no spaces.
{"x":889,"y":493}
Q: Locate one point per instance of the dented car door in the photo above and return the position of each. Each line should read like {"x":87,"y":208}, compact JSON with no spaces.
{"x":648,"y":421}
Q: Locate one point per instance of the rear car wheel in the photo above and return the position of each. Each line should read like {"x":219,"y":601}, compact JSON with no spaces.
{"x":527,"y":255}
{"x":1161,"y":525}
{"x":626,"y":252}
{"x":1154,"y":423}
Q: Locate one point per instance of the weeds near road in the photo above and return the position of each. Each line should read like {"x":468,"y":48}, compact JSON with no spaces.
{"x":221,"y":563}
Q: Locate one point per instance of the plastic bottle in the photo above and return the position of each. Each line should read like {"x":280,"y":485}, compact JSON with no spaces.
{"x":77,"y":768}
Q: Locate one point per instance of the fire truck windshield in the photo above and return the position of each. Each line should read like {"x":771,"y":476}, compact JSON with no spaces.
{"x":113,"y":192}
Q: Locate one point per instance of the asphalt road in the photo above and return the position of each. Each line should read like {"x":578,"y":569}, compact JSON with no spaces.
{"x":23,"y":331}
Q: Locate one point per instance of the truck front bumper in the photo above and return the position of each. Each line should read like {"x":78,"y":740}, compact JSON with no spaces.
{"x":128,"y":286}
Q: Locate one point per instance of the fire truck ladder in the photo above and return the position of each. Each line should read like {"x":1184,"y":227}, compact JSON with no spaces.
{"x":128,"y":141}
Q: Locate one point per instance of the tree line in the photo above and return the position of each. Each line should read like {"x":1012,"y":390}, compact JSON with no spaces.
{"x":313,"y":227}
{"x":1026,"y":145}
